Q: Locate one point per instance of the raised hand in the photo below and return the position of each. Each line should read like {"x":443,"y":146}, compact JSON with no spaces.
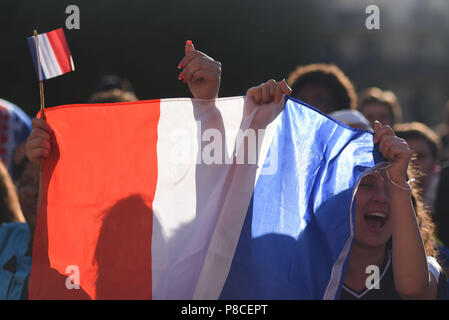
{"x":395,"y":150}
{"x":201,"y":73}
{"x":269,"y":91}
{"x":38,"y":143}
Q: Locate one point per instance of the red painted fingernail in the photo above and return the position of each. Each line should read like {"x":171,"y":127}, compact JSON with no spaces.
{"x":179,"y":66}
{"x":181,"y":75}
{"x":189,"y":42}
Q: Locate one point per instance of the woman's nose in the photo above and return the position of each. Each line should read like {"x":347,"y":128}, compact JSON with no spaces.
{"x":380,"y":194}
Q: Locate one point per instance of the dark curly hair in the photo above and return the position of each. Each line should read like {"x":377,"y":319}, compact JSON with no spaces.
{"x":425,"y":222}
{"x":328,"y":75}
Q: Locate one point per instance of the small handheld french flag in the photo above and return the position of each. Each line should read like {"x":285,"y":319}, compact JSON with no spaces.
{"x":53,"y":56}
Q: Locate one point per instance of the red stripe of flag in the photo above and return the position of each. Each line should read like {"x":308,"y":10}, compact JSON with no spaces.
{"x":98,"y":187}
{"x":61,"y":50}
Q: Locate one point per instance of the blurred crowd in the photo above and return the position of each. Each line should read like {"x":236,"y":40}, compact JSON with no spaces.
{"x":323,"y":86}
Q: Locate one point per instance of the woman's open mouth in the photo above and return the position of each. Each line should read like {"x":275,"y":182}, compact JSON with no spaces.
{"x":375,"y":221}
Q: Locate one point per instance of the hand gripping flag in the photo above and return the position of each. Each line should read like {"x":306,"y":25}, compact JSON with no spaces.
{"x":197,"y":199}
{"x":54,"y":54}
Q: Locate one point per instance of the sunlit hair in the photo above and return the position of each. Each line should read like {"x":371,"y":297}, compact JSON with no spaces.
{"x":423,"y":217}
{"x":418,"y":130}
{"x":10,"y":210}
{"x":329,"y":76}
{"x":384,"y":97}
{"x":112,"y":95}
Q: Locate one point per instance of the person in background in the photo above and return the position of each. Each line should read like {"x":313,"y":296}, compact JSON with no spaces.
{"x":351,"y":118}
{"x":443,"y":131}
{"x":10,"y":210}
{"x":15,"y":236}
{"x":426,"y":145}
{"x":113,"y":88}
{"x":441,"y":208}
{"x":15,"y":126}
{"x":376,"y":104}
{"x":28,"y":189}
{"x":323,"y":86}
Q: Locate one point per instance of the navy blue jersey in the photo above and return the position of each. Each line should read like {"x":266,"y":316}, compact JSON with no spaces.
{"x":387,"y":290}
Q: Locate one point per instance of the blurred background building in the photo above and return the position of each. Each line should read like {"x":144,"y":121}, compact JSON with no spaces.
{"x":409,"y":54}
{"x":143,"y":41}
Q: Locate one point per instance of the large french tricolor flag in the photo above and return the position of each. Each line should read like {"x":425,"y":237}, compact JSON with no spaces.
{"x":197,"y":199}
{"x":54,"y":54}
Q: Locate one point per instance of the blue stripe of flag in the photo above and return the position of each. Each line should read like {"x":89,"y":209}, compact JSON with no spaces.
{"x":299,"y":221}
{"x":32,"y":46}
